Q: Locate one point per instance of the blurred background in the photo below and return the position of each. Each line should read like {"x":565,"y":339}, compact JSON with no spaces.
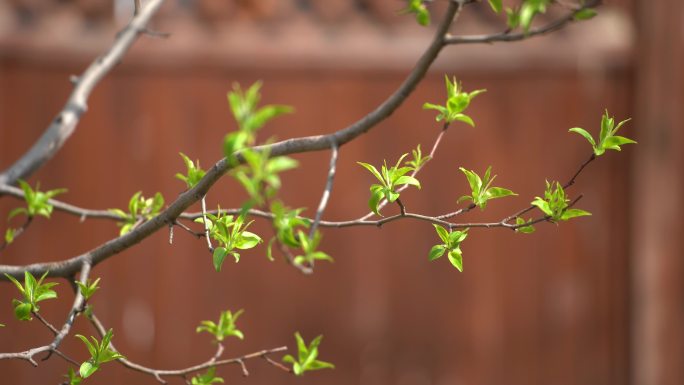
{"x":598,"y":300}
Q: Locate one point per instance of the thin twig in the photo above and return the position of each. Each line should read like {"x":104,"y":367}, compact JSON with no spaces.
{"x":327,"y":191}
{"x":160,"y":373}
{"x":506,"y":36}
{"x":45,"y":322}
{"x":18,"y":232}
{"x":206,"y":224}
{"x":64,"y":124}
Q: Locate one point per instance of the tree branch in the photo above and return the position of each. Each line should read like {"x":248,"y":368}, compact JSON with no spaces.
{"x":64,"y":124}
{"x":298,"y":145}
{"x":213,"y":361}
{"x":506,"y":36}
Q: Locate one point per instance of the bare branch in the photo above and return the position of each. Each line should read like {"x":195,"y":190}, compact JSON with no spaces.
{"x":64,"y":124}
{"x":213,"y":361}
{"x":326,"y":191}
{"x":506,"y":36}
{"x":304,"y":144}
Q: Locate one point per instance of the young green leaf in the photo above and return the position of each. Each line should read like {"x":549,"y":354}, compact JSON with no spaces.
{"x":391,"y":178}
{"x":231,"y":234}
{"x":33,"y":291}
{"x":307,"y":356}
{"x":88,"y":288}
{"x":309,"y":247}
{"x":72,"y":377}
{"x":496,"y":5}
{"x":193,"y":174}
{"x":525,"y":229}
{"x":481,"y":188}
{"x":585,"y":14}
{"x":420,"y":11}
{"x":224,"y":328}
{"x":36,"y":201}
{"x":457,"y":102}
{"x":555,"y":204}
{"x":140,"y":209}
{"x":207,"y":378}
{"x":100,"y":353}
{"x":607,"y":139}
{"x":451,"y":246}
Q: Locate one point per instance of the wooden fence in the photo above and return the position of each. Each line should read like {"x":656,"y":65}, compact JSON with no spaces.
{"x":554,"y":307}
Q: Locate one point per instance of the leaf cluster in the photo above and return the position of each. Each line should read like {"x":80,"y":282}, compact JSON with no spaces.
{"x":100,"y":353}
{"x":555,"y":204}
{"x":419,"y":10}
{"x":309,"y":249}
{"x":224,"y":328}
{"x":607,"y":138}
{"x":457,"y":102}
{"x":418,"y":159}
{"x":286,"y":221}
{"x":482,"y":189}
{"x":207,"y":378}
{"x":259,"y":175}
{"x":390,"y":179}
{"x":36,"y":205}
{"x":451,"y":246}
{"x":249,"y":118}
{"x":139,"y":209}
{"x":523,"y":226}
{"x":307,"y":356}
{"x":193,"y":174}
{"x":88,"y":288}
{"x":33,"y":291}
{"x":231,"y":233}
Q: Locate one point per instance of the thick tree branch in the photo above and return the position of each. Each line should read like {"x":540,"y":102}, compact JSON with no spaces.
{"x":64,"y":124}
{"x":305,"y":144}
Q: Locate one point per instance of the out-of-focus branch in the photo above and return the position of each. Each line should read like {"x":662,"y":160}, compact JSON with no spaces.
{"x":64,"y":124}
{"x":507,"y":36}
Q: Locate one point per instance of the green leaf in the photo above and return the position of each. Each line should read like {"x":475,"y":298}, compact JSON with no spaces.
{"x":226,"y":326}
{"x":247,"y":240}
{"x":572,"y":213}
{"x":463,"y":118}
{"x":22,"y":310}
{"x":442,"y":232}
{"x":585,"y":14}
{"x":219,"y":256}
{"x":512,"y":18}
{"x":585,"y":134}
{"x":73,"y":378}
{"x":436,"y":251}
{"x":419,"y":10}
{"x":87,"y":369}
{"x":409,"y":180}
{"x":499,"y":192}
{"x":614,"y":142}
{"x":373,"y":171}
{"x":376,"y":197}
{"x":306,"y":356}
{"x":207,"y":378}
{"x":523,"y":229}
{"x":456,"y":259}
{"x":496,"y":5}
